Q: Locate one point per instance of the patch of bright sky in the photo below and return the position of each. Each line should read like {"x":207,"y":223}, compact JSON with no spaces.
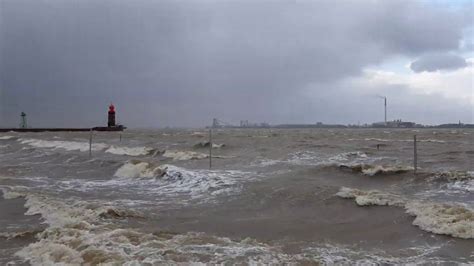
{"x":451,"y":4}
{"x":398,"y":64}
{"x":401,"y":64}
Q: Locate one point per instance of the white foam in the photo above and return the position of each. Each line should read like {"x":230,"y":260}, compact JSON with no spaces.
{"x":6,"y":137}
{"x":206,"y":145}
{"x":59,"y":213}
{"x":198,"y":134}
{"x":329,"y":254}
{"x":430,"y":140}
{"x":305,"y":158}
{"x":79,"y":234}
{"x":130,"y":151}
{"x":137,"y":169}
{"x":448,"y":219}
{"x":197,"y":182}
{"x":347,"y":156}
{"x":372,"y":197}
{"x":130,"y":247}
{"x":167,"y":181}
{"x":18,"y":234}
{"x":372,"y":170}
{"x":10,"y":192}
{"x":454,"y":220}
{"x":267,"y":162}
{"x":84,"y":146}
{"x":184,"y":155}
{"x":454,"y":175}
{"x":316,"y":159}
{"x":467,"y":185}
{"x":66,"y":145}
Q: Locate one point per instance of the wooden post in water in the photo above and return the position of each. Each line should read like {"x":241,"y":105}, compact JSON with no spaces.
{"x":90,"y":143}
{"x":120,"y":137}
{"x":210,"y":148}
{"x":415,"y":154}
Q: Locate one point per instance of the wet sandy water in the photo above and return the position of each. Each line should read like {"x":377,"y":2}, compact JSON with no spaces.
{"x":270,"y":197}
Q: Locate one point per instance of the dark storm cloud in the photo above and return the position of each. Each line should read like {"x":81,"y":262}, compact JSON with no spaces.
{"x":431,"y":63}
{"x":184,"y":62}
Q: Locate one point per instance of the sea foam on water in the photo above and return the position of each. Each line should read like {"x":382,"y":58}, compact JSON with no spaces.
{"x":184,"y":155}
{"x":448,"y":219}
{"x":82,"y":232}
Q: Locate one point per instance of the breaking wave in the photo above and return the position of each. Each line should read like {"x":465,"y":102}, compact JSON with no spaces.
{"x":467,"y":185}
{"x":84,"y":146}
{"x":454,"y":220}
{"x":206,"y":145}
{"x":10,"y":193}
{"x":329,"y":254}
{"x":453,"y":176}
{"x":66,"y":145}
{"x":454,"y":181}
{"x":372,"y":197}
{"x":448,"y":219}
{"x":81,"y":232}
{"x":356,"y":161}
{"x":184,"y":155}
{"x":316,"y":159}
{"x":6,"y":137}
{"x":372,"y":170}
{"x":172,"y":180}
{"x":22,"y":234}
{"x":139,"y":169}
{"x":130,"y":151}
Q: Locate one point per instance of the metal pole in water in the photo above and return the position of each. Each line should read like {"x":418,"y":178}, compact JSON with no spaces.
{"x":120,"y":137}
{"x":90,"y":143}
{"x":210,"y":148}
{"x":415,"y":154}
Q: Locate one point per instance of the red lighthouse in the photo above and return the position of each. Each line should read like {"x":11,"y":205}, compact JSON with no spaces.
{"x":111,"y":120}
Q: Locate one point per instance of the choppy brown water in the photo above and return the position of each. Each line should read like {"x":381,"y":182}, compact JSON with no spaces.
{"x":272,"y":197}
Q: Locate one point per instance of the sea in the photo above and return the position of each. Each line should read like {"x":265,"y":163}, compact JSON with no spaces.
{"x":256,"y":197}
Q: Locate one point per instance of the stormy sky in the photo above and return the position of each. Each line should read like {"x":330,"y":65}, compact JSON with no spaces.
{"x":181,"y":63}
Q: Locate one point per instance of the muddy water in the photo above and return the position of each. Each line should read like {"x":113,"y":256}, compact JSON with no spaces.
{"x":272,"y":196}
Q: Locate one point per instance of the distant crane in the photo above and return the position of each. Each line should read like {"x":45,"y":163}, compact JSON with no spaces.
{"x":23,"y":123}
{"x":217,"y":123}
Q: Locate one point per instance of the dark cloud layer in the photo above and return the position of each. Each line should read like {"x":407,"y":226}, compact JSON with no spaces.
{"x":431,"y":63}
{"x":180,"y":63}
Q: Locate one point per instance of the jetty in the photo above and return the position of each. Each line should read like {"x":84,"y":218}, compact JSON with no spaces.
{"x":111,"y":125}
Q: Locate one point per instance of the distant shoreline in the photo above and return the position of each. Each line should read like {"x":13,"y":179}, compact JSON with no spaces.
{"x":443,"y":126}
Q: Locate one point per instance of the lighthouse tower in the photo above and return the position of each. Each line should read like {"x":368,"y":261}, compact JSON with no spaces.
{"x":111,"y":120}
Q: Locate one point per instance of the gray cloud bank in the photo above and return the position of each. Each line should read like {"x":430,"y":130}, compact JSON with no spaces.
{"x":180,"y":63}
{"x":431,"y":63}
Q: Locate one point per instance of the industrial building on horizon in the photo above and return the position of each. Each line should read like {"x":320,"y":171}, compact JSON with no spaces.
{"x":398,"y":123}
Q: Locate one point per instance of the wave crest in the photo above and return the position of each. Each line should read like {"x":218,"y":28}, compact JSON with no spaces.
{"x":448,"y":219}
{"x":66,"y":145}
{"x":130,"y":151}
{"x":139,"y":169}
{"x":372,"y":170}
{"x":184,"y":155}
{"x":79,"y":234}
